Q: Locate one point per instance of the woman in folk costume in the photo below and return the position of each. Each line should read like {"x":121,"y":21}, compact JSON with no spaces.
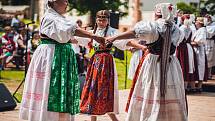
{"x":185,"y":54}
{"x":159,"y":92}
{"x":209,"y":46}
{"x":100,"y":92}
{"x":199,"y":41}
{"x":51,"y":90}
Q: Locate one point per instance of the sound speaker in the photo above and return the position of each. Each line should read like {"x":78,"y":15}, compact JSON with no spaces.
{"x":114,"y":19}
{"x":6,"y":100}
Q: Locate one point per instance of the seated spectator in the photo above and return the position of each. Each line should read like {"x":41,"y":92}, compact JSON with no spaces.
{"x":21,"y":41}
{"x":21,"y":46}
{"x":8,"y":45}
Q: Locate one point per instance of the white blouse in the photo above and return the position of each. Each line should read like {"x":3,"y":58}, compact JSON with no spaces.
{"x":186,"y":30}
{"x":200,"y":36}
{"x":210,"y":30}
{"x":57,"y":27}
{"x":149,"y":31}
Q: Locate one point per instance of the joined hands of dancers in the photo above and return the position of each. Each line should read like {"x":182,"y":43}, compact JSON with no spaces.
{"x":109,"y":40}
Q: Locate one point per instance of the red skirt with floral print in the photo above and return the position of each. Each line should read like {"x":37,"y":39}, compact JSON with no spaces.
{"x":98,"y":92}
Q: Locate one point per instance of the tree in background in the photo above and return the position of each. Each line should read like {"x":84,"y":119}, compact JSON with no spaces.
{"x":4,"y":2}
{"x":15,"y":2}
{"x":188,"y":9}
{"x":210,"y":5}
{"x":92,"y":6}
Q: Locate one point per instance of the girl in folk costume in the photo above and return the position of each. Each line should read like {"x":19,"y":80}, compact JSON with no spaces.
{"x":185,"y":54}
{"x":209,"y":46}
{"x":159,"y":91}
{"x":100,"y":92}
{"x":51,"y":90}
{"x":198,"y":41}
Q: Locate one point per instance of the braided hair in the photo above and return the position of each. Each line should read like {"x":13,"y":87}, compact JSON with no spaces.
{"x":103,"y":14}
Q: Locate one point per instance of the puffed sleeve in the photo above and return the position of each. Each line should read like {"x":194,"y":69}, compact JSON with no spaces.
{"x":120,"y":44}
{"x":146,"y":31}
{"x":201,"y":36}
{"x":210,"y":31}
{"x":177,"y":36}
{"x":58,"y":29}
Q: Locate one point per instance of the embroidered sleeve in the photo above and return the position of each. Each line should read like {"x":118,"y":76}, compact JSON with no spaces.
{"x":146,"y":31}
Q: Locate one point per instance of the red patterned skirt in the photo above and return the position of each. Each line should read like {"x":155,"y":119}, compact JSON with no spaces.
{"x":135,"y":80}
{"x":98,"y":92}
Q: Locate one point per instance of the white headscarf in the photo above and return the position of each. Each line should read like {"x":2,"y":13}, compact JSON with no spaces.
{"x":167,"y":10}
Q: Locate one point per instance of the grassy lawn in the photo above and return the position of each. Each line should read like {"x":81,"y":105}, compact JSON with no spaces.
{"x":121,"y":70}
{"x":12,"y":78}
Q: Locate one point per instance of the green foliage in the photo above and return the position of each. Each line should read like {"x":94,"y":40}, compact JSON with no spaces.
{"x":92,"y":6}
{"x":210,"y":5}
{"x":188,"y":9}
{"x":85,"y":6}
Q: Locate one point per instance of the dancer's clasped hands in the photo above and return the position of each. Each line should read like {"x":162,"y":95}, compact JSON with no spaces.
{"x":104,"y":40}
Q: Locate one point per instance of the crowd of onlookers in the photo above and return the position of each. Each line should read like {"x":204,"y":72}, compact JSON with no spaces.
{"x":13,"y":43}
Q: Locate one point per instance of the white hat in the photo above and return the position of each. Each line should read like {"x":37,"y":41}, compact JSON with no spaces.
{"x":167,"y":10}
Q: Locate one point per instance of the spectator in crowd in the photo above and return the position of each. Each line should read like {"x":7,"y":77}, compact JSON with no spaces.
{"x":198,"y":41}
{"x":210,"y":45}
{"x":8,"y":45}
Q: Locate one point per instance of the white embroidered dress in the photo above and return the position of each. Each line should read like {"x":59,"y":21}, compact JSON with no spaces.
{"x":36,"y":88}
{"x":209,"y":46}
{"x":146,"y":103}
{"x":187,"y":33}
{"x":200,"y":38}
